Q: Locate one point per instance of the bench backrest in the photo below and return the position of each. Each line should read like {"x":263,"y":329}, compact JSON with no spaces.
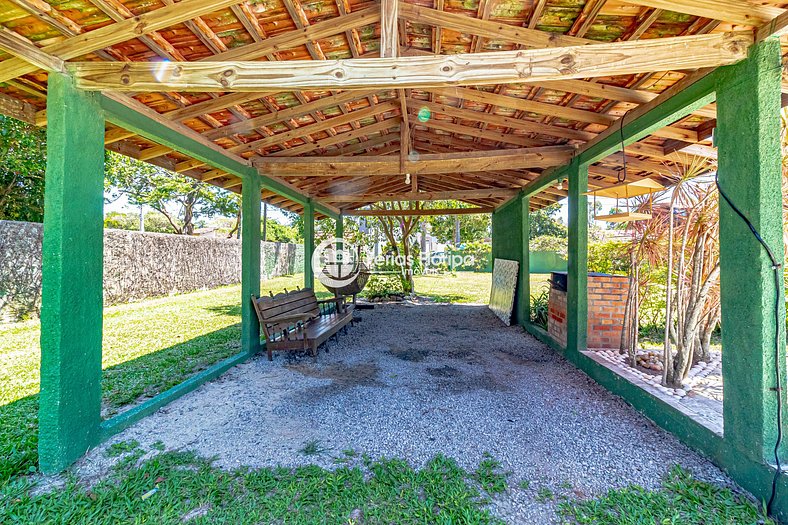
{"x":287,"y":303}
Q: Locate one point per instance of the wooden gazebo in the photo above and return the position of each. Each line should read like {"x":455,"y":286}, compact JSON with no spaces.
{"x":327,"y":107}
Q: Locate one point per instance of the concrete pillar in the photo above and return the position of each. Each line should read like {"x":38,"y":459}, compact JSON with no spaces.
{"x":577,"y":284}
{"x":340,"y":229}
{"x":72,"y":269}
{"x":250,"y":261}
{"x":748,"y":137}
{"x":524,"y":304}
{"x":309,"y":244}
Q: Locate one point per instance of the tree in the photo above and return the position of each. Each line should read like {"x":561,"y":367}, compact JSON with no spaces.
{"x":544,"y":222}
{"x":398,"y":231}
{"x":472,"y":227}
{"x":178,"y":198}
{"x":154,"y":222}
{"x":23,"y":154}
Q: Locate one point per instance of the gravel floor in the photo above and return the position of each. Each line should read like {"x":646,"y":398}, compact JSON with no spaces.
{"x":415,"y":380}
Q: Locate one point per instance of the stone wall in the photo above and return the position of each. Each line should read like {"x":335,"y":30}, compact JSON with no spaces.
{"x":136,"y":265}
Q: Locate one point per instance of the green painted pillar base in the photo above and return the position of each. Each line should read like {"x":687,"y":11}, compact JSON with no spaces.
{"x":250,"y":261}
{"x":750,"y":173}
{"x":309,"y":244}
{"x":507,"y":225}
{"x":577,"y":282}
{"x":72,"y":269}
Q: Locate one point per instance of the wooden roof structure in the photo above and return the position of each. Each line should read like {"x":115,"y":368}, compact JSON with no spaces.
{"x":389,"y":100}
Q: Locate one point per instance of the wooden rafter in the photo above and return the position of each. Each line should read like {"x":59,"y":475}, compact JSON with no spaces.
{"x":458,"y":162}
{"x":112,"y":34}
{"x":488,"y":193}
{"x":690,"y":52}
{"x":423,"y":212}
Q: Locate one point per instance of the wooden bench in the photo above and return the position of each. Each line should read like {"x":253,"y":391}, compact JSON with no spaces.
{"x":298,"y":321}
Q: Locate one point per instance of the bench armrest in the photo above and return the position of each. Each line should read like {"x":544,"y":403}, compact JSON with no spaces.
{"x":289,"y":317}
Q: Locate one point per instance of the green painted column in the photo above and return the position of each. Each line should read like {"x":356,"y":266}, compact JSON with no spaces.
{"x":250,"y":261}
{"x":72,"y":269}
{"x":309,"y":244}
{"x":748,"y":137}
{"x":340,"y":231}
{"x":577,"y":284}
{"x":524,"y":304}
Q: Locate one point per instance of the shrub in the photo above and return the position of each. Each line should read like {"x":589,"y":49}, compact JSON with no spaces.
{"x":549,"y":243}
{"x":539,"y":308}
{"x":609,"y":257}
{"x":383,"y":285}
{"x":481,"y":253}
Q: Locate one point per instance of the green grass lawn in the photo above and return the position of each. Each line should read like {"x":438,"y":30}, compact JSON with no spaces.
{"x":461,"y":287}
{"x":151,"y":346}
{"x":179,"y":487}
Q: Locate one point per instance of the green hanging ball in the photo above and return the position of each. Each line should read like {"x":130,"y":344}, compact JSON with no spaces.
{"x":424,"y":114}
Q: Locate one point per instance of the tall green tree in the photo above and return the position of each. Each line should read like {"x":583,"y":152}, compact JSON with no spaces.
{"x":180,"y":199}
{"x":473,"y":228}
{"x":22,"y":168}
{"x":545,"y":222}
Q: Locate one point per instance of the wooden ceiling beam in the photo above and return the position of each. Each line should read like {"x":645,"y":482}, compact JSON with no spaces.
{"x":420,"y":212}
{"x":500,"y":120}
{"x":459,"y":162}
{"x":366,"y":144}
{"x":353,"y":134}
{"x":293,"y":39}
{"x":741,"y":12}
{"x":523,"y":36}
{"x":521,"y":104}
{"x":446,"y":125}
{"x":109,"y":35}
{"x":502,"y":67}
{"x":317,"y":127}
{"x":598,"y":90}
{"x":215,"y":104}
{"x":274,"y":117}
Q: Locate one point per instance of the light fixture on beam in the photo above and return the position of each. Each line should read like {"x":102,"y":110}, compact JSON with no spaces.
{"x":625,"y":191}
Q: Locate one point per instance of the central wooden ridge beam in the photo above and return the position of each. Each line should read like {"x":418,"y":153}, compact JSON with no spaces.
{"x":511,"y":159}
{"x":422,"y":212}
{"x":486,"y":193}
{"x":504,"y":67}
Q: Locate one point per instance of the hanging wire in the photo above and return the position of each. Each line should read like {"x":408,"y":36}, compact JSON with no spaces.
{"x":622,"y":175}
{"x":777,"y":270}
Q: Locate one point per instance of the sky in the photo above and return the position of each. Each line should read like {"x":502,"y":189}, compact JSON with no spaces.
{"x":122,"y":206}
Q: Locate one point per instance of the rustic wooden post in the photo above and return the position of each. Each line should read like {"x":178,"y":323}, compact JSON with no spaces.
{"x":72,"y":269}
{"x":250,"y":261}
{"x":748,"y":137}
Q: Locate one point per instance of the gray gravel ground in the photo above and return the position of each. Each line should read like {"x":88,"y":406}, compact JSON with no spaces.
{"x":413,"y":381}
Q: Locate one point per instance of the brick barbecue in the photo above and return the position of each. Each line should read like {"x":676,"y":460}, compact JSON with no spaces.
{"x":607,"y":297}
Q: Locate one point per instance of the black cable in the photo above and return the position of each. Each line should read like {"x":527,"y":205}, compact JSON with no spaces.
{"x":776,"y":267}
